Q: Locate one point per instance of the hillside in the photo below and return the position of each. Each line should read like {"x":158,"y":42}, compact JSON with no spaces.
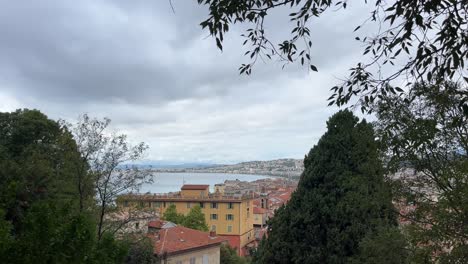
{"x":279,"y":167}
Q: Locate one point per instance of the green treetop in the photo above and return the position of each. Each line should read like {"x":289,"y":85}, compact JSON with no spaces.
{"x":341,"y":201}
{"x":171,"y":215}
{"x":195,"y":219}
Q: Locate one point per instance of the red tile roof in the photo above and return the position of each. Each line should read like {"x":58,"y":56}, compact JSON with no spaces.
{"x":156,"y":223}
{"x":179,"y":239}
{"x":258,"y":210}
{"x":194,"y":187}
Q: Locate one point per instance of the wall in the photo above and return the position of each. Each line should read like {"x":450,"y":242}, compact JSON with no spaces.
{"x":259,"y":219}
{"x":194,"y":193}
{"x":213,"y":254}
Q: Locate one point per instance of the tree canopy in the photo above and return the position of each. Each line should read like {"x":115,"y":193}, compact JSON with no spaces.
{"x":171,"y":215}
{"x":416,"y":40}
{"x":426,"y":139}
{"x":41,"y":220}
{"x":340,"y":202}
{"x":195,"y":219}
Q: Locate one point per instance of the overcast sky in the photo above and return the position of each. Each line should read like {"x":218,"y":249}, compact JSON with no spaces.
{"x":161,"y":80}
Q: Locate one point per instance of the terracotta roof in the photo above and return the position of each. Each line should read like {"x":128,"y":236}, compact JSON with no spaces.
{"x":258,"y":210}
{"x":160,"y":224}
{"x":179,"y":239}
{"x":194,"y":187}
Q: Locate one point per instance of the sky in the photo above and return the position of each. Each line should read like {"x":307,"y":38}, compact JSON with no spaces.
{"x":160,"y":78}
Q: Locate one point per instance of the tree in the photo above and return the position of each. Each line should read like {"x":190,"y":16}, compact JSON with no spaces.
{"x":171,"y":215}
{"x":341,"y":199}
{"x":40,"y":219}
{"x":141,"y":251}
{"x":106,"y":155}
{"x":195,"y":219}
{"x":427,"y":142}
{"x":228,"y":255}
{"x":37,"y":157}
{"x":428,"y":38}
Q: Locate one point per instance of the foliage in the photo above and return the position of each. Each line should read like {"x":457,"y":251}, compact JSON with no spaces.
{"x":340,"y":201}
{"x":171,"y":215}
{"x":106,"y":155}
{"x":228,"y":255}
{"x":420,"y":40}
{"x":41,"y":220}
{"x":141,"y":252}
{"x":386,"y":245}
{"x":426,"y":135}
{"x":5,"y":236}
{"x":195,"y":219}
{"x":109,"y":250}
{"x":36,"y":164}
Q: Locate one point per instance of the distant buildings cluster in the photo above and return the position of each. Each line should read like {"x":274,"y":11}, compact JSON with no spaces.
{"x":289,"y":168}
{"x":236,"y":213}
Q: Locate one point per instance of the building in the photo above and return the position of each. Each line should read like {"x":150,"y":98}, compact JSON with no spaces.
{"x":260,"y":217}
{"x":219,"y":188}
{"x":181,"y":245}
{"x":229,"y":216}
{"x":155,"y":226}
{"x":130,"y":222}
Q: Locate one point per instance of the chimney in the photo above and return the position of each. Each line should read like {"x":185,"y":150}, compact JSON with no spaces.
{"x":212,"y":234}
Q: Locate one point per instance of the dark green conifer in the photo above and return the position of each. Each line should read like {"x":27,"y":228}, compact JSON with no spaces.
{"x":341,"y":200}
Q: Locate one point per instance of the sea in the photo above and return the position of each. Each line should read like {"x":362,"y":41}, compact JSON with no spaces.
{"x":171,"y":182}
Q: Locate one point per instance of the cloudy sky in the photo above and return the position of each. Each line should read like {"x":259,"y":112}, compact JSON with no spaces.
{"x":161,"y":80}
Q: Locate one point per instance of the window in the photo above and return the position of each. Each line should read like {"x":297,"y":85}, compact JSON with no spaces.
{"x":214,"y":216}
{"x":125,"y":203}
{"x":202,"y":205}
{"x":230,"y":205}
{"x":214,"y":205}
{"x":205,"y":259}
{"x":229,"y":217}
{"x":213,"y":228}
{"x":229,"y":228}
{"x":192,"y":260}
{"x":189,"y":205}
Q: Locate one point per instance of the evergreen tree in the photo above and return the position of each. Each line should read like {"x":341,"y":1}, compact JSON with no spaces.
{"x":195,"y":219}
{"x":341,"y":199}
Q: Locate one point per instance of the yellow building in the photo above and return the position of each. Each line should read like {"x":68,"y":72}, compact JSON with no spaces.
{"x":230,"y":217}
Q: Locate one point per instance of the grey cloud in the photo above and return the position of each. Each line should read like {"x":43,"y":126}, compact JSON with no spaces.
{"x":162,"y":81}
